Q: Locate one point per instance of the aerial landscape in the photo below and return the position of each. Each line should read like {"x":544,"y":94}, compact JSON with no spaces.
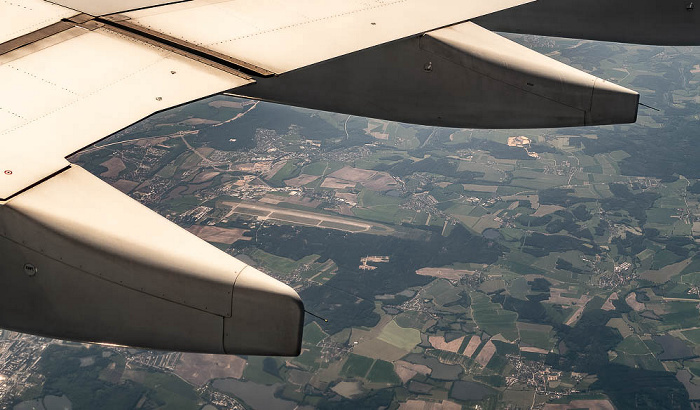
{"x":444,"y":268}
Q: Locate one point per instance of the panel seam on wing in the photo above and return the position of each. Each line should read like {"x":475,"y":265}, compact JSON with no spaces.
{"x":93,"y":92}
{"x":17,"y":5}
{"x":41,"y":79}
{"x":308,"y":22}
{"x":12,"y":113}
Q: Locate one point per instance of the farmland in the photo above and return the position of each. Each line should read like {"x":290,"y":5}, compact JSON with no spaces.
{"x":450,"y":268}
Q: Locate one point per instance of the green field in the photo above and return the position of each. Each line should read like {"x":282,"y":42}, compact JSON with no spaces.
{"x":288,"y":171}
{"x":522,"y":268}
{"x":356,"y":366}
{"x":519,"y":288}
{"x":383,"y":372}
{"x":403,"y":338}
{"x":542,"y":340}
{"x":391,"y":214}
{"x":682,"y":315}
{"x":411,"y":319}
{"x":279,"y":264}
{"x":692,"y":335}
{"x":690,"y":272}
{"x":648,"y":361}
{"x":371,"y":199}
{"x":461,"y":209}
{"x":255,"y":372}
{"x":664,"y":258}
{"x":170,"y":390}
{"x":661,"y":216}
{"x":313,"y":334}
{"x":442,"y":292}
{"x":632,"y":345}
{"x":491,"y":317}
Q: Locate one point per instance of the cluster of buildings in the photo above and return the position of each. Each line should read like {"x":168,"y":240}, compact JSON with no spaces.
{"x":621,"y":275}
{"x":544,"y":379}
{"x":623,"y":267}
{"x":164,"y":361}
{"x":19,"y":357}
{"x":220,"y":400}
{"x":563,"y":168}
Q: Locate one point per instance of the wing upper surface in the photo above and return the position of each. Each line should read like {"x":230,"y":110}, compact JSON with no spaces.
{"x":283,"y":35}
{"x":102,"y":7}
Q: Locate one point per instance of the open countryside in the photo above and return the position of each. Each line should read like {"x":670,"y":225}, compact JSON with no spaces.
{"x":547,"y":269}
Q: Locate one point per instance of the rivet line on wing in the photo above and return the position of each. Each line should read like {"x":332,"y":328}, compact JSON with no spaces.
{"x":82,"y":97}
{"x":41,"y":79}
{"x":310,"y":22}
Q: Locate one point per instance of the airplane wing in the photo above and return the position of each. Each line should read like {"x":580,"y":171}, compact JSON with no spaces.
{"x":81,"y":261}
